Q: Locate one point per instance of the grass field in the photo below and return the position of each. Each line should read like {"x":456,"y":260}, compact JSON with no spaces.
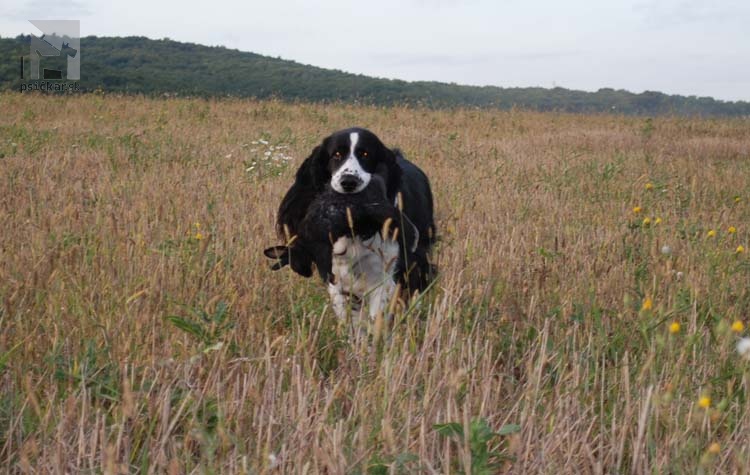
{"x":593,"y":288}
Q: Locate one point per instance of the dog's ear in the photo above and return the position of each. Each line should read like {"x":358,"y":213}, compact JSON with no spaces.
{"x":280,"y":254}
{"x":393,"y":172}
{"x":319,"y":167}
{"x":310,"y":180}
{"x":314,"y":170}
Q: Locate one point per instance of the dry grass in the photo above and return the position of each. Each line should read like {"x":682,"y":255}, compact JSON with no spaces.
{"x":135,"y":341}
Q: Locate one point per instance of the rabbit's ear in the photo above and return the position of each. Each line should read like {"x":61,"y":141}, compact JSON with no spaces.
{"x":280,"y":254}
{"x":276,"y":252}
{"x":279,"y":264}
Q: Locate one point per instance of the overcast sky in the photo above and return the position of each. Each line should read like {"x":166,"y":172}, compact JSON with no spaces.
{"x":690,"y":47}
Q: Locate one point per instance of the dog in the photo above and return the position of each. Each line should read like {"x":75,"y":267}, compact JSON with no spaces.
{"x":363,"y":215}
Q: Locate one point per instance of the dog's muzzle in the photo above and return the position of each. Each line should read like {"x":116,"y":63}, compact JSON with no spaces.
{"x":349,"y":183}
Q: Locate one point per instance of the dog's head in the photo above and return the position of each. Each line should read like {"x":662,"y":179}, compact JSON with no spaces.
{"x":348,"y":159}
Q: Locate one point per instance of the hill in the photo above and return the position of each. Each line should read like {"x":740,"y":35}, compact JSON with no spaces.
{"x":145,"y":66}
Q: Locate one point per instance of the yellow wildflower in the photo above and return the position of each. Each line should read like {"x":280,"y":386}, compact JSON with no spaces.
{"x":738,"y":326}
{"x":714,"y":448}
{"x":737,"y":199}
{"x":657,"y":221}
{"x":637,"y":209}
{"x":198,"y":236}
{"x":674,"y":328}
{"x":648,"y":304}
{"x":740,"y":249}
{"x":649,"y":186}
{"x":732,"y":230}
{"x":646,"y":221}
{"x":704,"y":402}
{"x":711,"y":233}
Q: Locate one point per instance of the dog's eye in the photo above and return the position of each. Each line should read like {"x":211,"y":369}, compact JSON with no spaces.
{"x":364,"y":154}
{"x":337,"y":155}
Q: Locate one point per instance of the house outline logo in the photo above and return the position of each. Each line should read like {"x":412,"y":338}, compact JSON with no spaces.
{"x":59,"y":37}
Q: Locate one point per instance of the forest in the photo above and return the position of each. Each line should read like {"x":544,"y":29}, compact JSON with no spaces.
{"x":139,"y":65}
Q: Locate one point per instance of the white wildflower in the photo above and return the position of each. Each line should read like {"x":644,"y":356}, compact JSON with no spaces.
{"x":666,"y":250}
{"x":743,"y":347}
{"x":273,"y":461}
{"x":272,"y":158}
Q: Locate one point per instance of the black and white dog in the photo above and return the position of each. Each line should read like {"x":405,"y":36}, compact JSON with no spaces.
{"x":363,"y":214}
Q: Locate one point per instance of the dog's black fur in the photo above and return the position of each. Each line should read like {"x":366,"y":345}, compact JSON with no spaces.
{"x":314,"y":212}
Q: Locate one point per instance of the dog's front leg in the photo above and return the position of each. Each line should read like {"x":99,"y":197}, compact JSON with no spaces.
{"x":338,"y":299}
{"x":380,"y":299}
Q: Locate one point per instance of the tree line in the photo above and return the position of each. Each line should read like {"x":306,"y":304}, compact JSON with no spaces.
{"x":139,"y":65}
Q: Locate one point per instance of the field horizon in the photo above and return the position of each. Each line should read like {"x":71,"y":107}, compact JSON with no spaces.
{"x":592,"y":289}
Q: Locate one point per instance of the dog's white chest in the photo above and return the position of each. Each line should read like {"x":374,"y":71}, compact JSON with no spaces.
{"x":363,"y":272}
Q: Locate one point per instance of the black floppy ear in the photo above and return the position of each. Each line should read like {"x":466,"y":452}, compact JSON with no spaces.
{"x":309,"y":181}
{"x":319,"y":167}
{"x":393,"y":184}
{"x":314,"y":170}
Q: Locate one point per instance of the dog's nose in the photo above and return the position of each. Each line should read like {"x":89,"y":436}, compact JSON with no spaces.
{"x":349,"y":183}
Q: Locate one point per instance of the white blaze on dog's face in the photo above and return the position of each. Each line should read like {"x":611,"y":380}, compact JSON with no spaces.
{"x":349,"y":166}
